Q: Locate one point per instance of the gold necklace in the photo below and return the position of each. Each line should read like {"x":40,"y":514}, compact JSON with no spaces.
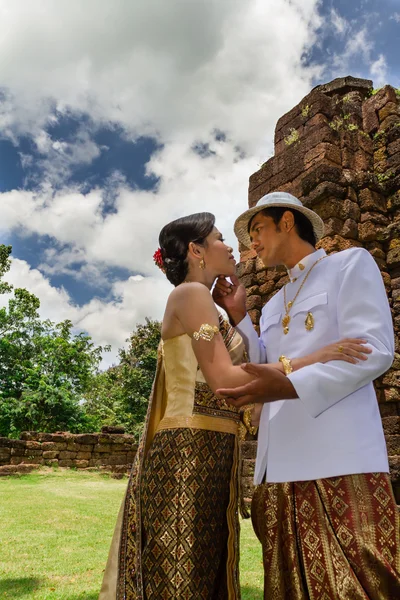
{"x":286,"y":319}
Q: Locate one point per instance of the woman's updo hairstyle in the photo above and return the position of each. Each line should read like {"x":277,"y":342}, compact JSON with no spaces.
{"x":174,"y":243}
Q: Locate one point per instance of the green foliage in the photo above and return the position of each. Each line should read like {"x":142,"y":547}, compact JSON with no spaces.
{"x":305,"y":111}
{"x":120,"y":395}
{"x":292,"y":137}
{"x":44,"y":367}
{"x":382,"y":177}
{"x":336,"y":124}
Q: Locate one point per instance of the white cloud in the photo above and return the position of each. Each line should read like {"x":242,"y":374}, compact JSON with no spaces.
{"x":396,"y":17}
{"x":339,"y":23}
{"x":379,"y":71}
{"x":175,"y":70}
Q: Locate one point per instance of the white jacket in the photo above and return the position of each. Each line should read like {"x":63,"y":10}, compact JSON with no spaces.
{"x":334,"y":426}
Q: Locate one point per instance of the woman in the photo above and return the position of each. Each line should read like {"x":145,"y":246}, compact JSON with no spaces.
{"x":177,"y":532}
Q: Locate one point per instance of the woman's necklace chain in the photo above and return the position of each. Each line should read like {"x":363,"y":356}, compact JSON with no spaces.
{"x":286,"y":319}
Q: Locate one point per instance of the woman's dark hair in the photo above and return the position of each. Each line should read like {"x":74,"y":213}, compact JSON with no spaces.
{"x":304,"y":227}
{"x":174,"y":240}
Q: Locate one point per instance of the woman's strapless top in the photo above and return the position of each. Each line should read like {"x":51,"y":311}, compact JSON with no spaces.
{"x":187,"y":393}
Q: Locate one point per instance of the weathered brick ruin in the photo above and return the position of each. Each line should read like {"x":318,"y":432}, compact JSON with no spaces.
{"x":338,"y":151}
{"x":110,"y":452}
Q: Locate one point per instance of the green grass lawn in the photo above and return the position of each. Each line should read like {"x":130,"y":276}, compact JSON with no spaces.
{"x":55,"y":532}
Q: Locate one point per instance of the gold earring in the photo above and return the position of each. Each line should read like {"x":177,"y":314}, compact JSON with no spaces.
{"x":202,"y":264}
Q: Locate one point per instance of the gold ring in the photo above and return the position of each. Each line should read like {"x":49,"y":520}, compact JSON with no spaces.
{"x":340,"y":348}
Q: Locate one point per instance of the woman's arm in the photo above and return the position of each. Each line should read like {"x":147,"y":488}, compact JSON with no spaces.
{"x":193,"y":306}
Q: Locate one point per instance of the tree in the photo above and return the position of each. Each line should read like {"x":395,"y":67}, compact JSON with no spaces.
{"x":120,"y":395}
{"x":45,"y":368}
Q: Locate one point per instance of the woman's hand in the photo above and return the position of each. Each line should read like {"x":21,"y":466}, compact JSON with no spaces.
{"x":349,"y":349}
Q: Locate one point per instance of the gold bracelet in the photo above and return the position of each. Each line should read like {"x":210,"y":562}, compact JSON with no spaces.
{"x":287,"y":364}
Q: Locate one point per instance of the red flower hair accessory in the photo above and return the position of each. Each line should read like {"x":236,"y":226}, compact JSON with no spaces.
{"x":158,"y":259}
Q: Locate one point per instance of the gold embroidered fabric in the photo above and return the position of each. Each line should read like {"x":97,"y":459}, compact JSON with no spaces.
{"x":206,"y":332}
{"x":330,"y":539}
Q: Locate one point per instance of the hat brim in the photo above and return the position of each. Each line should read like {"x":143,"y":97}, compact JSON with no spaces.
{"x":242,"y":222}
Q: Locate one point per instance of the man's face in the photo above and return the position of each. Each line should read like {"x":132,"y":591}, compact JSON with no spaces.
{"x":268,"y":240}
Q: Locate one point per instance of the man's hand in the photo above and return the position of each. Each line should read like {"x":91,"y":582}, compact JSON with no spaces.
{"x":231,"y":297}
{"x":269,"y":385}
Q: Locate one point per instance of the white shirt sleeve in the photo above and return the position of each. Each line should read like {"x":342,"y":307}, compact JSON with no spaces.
{"x":362,"y":312}
{"x":254,"y":345}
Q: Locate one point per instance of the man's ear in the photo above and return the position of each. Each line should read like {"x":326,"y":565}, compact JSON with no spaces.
{"x":287,"y":221}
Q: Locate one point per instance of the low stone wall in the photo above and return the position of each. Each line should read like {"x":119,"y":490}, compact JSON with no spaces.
{"x":113,"y":452}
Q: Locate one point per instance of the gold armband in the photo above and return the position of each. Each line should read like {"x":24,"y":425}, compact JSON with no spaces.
{"x":287,"y":364}
{"x":206,"y":332}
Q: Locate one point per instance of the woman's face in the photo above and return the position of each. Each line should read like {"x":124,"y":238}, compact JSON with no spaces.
{"x":218,"y":256}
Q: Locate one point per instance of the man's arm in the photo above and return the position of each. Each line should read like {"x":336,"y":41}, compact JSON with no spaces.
{"x":362,"y":311}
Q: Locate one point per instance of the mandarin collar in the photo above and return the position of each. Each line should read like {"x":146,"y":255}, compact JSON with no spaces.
{"x":304,"y":265}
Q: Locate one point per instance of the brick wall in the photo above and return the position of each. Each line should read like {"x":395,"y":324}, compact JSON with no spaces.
{"x":338,"y":151}
{"x":112,"y":452}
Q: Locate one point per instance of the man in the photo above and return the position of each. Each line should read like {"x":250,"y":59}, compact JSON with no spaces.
{"x":323,"y":507}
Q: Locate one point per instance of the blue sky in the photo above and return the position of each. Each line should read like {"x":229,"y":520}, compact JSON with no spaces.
{"x":116,"y":117}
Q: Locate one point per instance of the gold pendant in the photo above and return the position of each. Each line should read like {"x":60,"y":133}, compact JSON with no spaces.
{"x":285,"y":321}
{"x":309,"y":322}
{"x":286,"y":330}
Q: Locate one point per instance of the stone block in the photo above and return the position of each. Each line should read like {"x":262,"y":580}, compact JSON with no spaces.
{"x":54,"y":446}
{"x":393,"y":445}
{"x":391,"y":425}
{"x":367,"y":232}
{"x":17,"y":451}
{"x":33,"y":452}
{"x":254,"y":316}
{"x":253,"y":302}
{"x":249,"y":450}
{"x":65,"y":462}
{"x":86,"y":438}
{"x":322,"y":151}
{"x":393,"y":162}
{"x":391,"y":395}
{"x":338,"y":209}
{"x":81,"y":464}
{"x":390,"y":121}
{"x":33,"y":445}
{"x":336,"y":243}
{"x":393,"y":258}
{"x":371,"y":201}
{"x":73,"y":446}
{"x":67,"y":455}
{"x":248,"y":468}
{"x":83,"y":455}
{"x":29,"y":435}
{"x":350,"y":229}
{"x":393,"y":147}
{"x":50,"y":454}
{"x":390,"y":108}
{"x":102,"y":448}
{"x":5,"y":454}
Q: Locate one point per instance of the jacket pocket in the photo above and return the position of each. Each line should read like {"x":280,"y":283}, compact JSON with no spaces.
{"x":309,"y":304}
{"x":267,"y":322}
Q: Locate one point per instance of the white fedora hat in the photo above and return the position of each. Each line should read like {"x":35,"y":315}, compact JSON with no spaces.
{"x":284,"y":200}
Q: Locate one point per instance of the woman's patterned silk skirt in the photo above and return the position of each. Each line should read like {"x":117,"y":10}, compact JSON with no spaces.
{"x":185,"y":497}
